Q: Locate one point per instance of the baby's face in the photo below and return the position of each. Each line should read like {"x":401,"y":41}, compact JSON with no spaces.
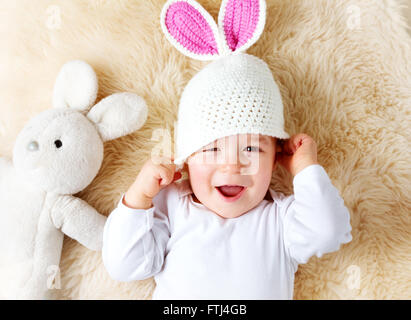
{"x":232,"y":175}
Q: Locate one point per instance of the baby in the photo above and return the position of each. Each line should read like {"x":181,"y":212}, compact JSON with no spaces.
{"x":223,"y":233}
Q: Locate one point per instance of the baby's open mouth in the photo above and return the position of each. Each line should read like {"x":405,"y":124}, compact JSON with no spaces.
{"x":231,"y":192}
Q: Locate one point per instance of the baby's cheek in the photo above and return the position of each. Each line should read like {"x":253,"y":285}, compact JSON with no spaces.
{"x":200,"y":177}
{"x":263,"y":177}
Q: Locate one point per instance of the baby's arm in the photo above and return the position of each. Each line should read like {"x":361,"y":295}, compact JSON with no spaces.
{"x":134,"y":243}
{"x":136,"y":233}
{"x":315,"y":219}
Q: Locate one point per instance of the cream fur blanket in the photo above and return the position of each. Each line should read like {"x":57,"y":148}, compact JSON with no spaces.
{"x":344,"y":70}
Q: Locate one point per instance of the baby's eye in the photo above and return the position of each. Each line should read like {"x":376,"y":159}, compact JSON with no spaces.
{"x":211,"y":149}
{"x":252,"y":149}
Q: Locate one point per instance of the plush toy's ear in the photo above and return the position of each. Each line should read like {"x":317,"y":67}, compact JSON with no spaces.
{"x":76,"y":86}
{"x":241,"y":22}
{"x":191,"y":29}
{"x":118,"y":115}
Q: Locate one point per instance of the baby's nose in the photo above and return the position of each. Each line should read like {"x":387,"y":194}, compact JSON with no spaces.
{"x":33,"y":146}
{"x":230,"y":168}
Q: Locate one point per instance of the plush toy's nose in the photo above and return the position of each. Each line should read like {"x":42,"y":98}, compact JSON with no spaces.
{"x":33,"y":146}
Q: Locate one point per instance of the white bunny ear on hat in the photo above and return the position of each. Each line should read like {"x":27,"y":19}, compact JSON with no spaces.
{"x":241,"y":22}
{"x":191,"y":29}
{"x":76,"y":86}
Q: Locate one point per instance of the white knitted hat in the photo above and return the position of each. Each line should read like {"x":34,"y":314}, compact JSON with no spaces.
{"x":234,"y":94}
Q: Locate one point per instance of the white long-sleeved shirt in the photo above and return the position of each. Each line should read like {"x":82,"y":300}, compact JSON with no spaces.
{"x":195,"y":254}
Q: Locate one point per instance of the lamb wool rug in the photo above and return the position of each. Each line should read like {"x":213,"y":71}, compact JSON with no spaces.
{"x":344,"y":71}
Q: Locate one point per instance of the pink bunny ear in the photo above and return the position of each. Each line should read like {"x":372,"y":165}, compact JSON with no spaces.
{"x":191,"y":29}
{"x":241,"y":22}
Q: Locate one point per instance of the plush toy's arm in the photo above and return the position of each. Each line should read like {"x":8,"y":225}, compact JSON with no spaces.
{"x":77,"y":219}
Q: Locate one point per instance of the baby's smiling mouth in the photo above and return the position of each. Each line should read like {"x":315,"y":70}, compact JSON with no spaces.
{"x":231,"y":192}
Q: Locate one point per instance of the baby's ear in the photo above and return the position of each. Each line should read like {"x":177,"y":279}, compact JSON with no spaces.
{"x":118,"y":115}
{"x":278,"y":145}
{"x":76,"y":86}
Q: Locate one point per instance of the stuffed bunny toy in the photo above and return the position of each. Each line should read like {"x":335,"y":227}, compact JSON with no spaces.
{"x":57,"y":154}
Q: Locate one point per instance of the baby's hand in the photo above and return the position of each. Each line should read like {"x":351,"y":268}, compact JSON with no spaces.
{"x":298,"y":152}
{"x":155,"y":175}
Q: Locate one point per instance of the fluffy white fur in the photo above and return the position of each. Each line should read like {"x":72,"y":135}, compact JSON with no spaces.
{"x":58,"y":153}
{"x":347,"y":85}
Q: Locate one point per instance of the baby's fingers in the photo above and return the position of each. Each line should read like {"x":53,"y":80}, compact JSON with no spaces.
{"x":296,"y":141}
{"x":168,"y":174}
{"x":165,"y":176}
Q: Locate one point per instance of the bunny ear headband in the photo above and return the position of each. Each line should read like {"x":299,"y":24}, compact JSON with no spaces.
{"x":192,"y":30}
